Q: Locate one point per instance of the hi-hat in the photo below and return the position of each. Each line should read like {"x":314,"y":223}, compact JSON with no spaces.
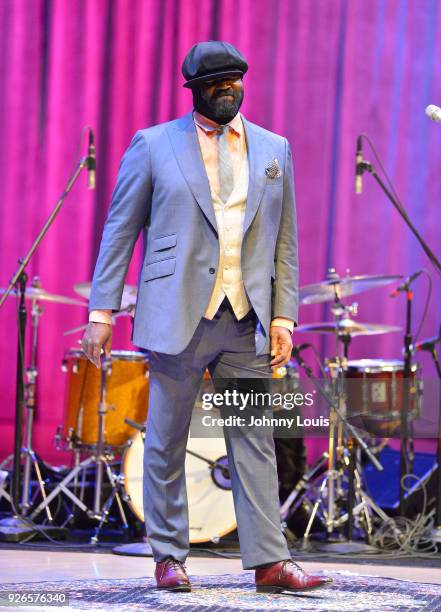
{"x":328,"y":290}
{"x":128,"y":296}
{"x":39,"y":294}
{"x":348,"y":327}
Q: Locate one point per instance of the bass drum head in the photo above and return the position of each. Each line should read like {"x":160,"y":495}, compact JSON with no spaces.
{"x":210,"y":500}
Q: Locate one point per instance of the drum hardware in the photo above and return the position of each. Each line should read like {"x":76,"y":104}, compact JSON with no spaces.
{"x":294,"y":499}
{"x":30,"y":394}
{"x":407,"y":452}
{"x":331,"y":489}
{"x":430,"y":345}
{"x":3,"y":482}
{"x":68,"y":483}
{"x":18,"y":285}
{"x":101,"y":512}
{"x":62,"y":487}
{"x":96,"y":403}
{"x":35,"y":294}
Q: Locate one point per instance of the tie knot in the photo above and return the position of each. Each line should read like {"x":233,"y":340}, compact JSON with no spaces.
{"x":223,"y":129}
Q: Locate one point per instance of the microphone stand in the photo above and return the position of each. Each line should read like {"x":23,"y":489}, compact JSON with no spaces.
{"x":436,"y":532}
{"x":17,"y":528}
{"x":365,"y":166}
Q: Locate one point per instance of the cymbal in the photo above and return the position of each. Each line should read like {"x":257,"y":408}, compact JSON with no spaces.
{"x":348,"y":327}
{"x":128,"y":297}
{"x":343,"y":287}
{"x":39,"y":294}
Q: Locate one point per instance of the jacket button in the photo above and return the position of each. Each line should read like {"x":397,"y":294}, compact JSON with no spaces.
{"x":211,"y":270}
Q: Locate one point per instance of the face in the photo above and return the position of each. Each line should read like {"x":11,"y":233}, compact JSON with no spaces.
{"x":219,"y":99}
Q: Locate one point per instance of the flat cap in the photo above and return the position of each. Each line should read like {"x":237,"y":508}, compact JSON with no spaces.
{"x":210,"y":60}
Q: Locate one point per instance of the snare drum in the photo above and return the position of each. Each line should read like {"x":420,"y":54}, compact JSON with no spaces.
{"x":127,"y":392}
{"x":375,"y":394}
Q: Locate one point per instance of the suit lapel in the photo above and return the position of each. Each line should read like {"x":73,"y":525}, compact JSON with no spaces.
{"x":186,"y":148}
{"x":257,"y":177}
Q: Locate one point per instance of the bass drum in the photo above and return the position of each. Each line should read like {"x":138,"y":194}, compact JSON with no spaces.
{"x":210,"y":500}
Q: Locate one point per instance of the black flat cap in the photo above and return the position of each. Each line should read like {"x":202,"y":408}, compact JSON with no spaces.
{"x":210,"y":60}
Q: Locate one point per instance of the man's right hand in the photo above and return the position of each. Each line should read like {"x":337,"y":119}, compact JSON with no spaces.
{"x":96,"y":337}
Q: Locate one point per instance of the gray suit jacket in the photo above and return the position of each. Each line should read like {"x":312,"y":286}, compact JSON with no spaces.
{"x":163,"y":190}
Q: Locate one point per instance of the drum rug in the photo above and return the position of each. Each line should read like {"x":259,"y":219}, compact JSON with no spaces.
{"x":350,"y":591}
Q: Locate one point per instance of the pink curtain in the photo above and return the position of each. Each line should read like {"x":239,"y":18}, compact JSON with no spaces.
{"x":321,"y":71}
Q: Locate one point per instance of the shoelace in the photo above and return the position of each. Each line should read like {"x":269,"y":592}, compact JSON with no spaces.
{"x":176,"y":564}
{"x":289,"y":562}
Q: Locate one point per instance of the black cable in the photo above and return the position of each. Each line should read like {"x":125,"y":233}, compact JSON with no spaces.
{"x":426,"y":306}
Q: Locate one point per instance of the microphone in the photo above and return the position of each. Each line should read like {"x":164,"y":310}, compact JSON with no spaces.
{"x":358,"y":167}
{"x":427,"y":345}
{"x":405,"y":286}
{"x":91,"y":162}
{"x":434,"y":113}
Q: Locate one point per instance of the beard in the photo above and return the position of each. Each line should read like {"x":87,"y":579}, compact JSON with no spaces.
{"x":219,"y":109}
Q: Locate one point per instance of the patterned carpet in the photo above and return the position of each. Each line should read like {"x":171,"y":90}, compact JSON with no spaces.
{"x":236,"y":592}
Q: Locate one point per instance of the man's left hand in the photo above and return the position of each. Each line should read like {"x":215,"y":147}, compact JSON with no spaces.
{"x":281,"y":346}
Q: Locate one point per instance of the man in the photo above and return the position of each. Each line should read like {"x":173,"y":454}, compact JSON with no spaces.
{"x":213,"y":195}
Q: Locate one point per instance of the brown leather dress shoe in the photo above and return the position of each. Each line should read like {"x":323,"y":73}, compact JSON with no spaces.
{"x":287,"y":576}
{"x":171,"y":576}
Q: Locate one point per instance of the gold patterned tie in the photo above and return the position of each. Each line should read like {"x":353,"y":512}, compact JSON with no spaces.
{"x":226,"y":177}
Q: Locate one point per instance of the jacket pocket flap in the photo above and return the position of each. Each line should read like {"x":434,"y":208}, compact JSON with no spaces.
{"x":165,"y":242}
{"x":164,"y":267}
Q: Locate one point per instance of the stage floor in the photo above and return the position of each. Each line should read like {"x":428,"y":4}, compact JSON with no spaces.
{"x":43,"y":566}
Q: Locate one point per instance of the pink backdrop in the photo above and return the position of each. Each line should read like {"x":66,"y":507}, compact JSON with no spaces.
{"x":321,"y":71}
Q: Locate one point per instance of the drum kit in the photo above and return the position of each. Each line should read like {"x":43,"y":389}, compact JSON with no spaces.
{"x":104,"y":408}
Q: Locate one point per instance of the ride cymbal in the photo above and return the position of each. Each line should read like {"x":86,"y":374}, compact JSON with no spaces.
{"x":328,"y":290}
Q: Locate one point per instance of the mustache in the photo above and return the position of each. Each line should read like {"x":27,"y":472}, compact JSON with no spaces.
{"x":224,"y":92}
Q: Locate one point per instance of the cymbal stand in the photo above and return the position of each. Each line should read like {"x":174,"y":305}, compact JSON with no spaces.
{"x":291,"y":503}
{"x":101,"y":513}
{"x":15,"y":523}
{"x":30,"y":459}
{"x":330,"y":474}
{"x":436,"y":532}
{"x":331,"y":486}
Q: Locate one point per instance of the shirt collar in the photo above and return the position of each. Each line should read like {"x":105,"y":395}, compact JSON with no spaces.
{"x":210,"y":127}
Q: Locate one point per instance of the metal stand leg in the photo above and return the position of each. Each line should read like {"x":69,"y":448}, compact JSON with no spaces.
{"x":62,"y":487}
{"x":116,"y":483}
